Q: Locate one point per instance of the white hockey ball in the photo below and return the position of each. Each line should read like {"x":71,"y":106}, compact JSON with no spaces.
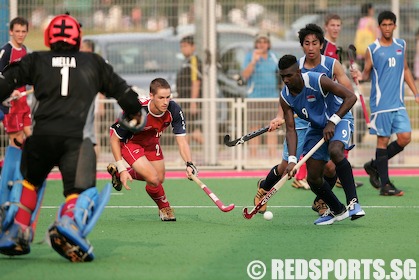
{"x":268,"y":215}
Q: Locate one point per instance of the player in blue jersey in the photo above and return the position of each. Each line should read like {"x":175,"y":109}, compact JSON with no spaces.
{"x":325,"y":104}
{"x":386,"y":65}
{"x":311,"y":39}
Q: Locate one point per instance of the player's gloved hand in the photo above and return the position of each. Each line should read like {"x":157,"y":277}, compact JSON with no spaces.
{"x":191,"y":169}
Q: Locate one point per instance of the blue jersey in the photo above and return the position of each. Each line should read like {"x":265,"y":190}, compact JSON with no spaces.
{"x":263,"y":82}
{"x":326,"y":66}
{"x":312,"y":104}
{"x":387,"y":76}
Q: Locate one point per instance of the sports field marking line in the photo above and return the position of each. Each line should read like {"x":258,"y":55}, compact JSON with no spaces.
{"x":237,"y":206}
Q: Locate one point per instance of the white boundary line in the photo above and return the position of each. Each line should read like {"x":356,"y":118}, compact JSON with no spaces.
{"x":237,"y":206}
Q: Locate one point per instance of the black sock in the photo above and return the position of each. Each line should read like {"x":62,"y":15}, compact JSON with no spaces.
{"x":381,"y":162}
{"x":393,"y":149}
{"x":324,"y":192}
{"x":346,"y":176}
{"x":271,"y":179}
{"x":331,"y":180}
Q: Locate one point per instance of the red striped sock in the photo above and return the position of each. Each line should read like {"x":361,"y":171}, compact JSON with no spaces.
{"x":302,"y":171}
{"x":158,"y":195}
{"x":28,"y":200}
{"x":70,"y":203}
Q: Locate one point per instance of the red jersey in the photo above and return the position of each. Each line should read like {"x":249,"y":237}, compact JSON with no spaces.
{"x":10,"y":54}
{"x":155,"y":125}
{"x":330,"y":49}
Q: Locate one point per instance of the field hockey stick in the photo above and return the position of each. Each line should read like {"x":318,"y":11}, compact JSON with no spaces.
{"x":7,"y":102}
{"x":351,"y":56}
{"x":214,"y":198}
{"x":231,"y":143}
{"x":280,"y":183}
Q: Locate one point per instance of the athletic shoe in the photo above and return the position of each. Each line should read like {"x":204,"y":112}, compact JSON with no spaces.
{"x":329,"y":217}
{"x":319,"y":206}
{"x":374,"y":176}
{"x":301,"y":184}
{"x":339,"y":184}
{"x":116,"y":182}
{"x":390,"y":190}
{"x":355,"y":210}
{"x":259,"y":196}
{"x":15,"y":241}
{"x":167,"y":214}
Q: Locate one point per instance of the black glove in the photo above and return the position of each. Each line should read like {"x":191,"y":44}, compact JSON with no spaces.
{"x":194,"y":169}
{"x":129,"y":102}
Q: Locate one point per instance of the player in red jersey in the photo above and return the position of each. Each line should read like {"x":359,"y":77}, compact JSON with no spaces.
{"x":142,"y":150}
{"x":17,"y":120}
{"x":332,"y":26}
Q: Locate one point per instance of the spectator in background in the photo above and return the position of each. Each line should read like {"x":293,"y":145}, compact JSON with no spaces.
{"x":136,"y":17}
{"x":17,"y":119}
{"x":367,"y":31}
{"x":416,"y":65}
{"x":261,"y":73}
{"x":188,"y":85}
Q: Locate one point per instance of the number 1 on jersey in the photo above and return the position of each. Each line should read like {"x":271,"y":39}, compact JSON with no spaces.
{"x":65,"y":73}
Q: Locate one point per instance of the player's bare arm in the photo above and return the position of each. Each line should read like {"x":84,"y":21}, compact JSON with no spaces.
{"x":341,"y":76}
{"x":116,"y":151}
{"x":410,"y":81}
{"x":349,"y":99}
{"x":185,"y":153}
{"x":291,"y":136}
{"x":278,"y":120}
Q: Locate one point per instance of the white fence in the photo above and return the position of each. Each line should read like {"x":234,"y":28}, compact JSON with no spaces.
{"x":235,"y":118}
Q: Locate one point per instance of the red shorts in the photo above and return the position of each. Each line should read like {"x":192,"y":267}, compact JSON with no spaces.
{"x":133,"y":151}
{"x":14,"y":122}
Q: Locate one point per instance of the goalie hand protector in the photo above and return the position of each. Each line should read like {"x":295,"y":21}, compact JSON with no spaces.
{"x":131,"y":123}
{"x":193,"y":167}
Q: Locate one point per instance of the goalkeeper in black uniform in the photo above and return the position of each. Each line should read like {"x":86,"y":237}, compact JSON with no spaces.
{"x":66,"y":82}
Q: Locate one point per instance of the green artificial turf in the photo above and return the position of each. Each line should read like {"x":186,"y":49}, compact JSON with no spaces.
{"x":130,"y":242}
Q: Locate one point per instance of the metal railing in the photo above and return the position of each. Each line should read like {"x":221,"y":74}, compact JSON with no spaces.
{"x":236,"y":117}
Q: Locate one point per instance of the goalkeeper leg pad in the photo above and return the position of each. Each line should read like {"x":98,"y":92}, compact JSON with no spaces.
{"x":10,"y":187}
{"x":68,"y":236}
{"x":15,"y":241}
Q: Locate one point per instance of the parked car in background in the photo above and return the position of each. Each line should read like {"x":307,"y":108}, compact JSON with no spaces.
{"x":140,"y":57}
{"x":231,"y":60}
{"x":226,"y":33}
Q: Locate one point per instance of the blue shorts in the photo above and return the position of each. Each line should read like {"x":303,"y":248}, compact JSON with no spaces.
{"x":301,"y":133}
{"x":343,"y":133}
{"x":387,"y":123}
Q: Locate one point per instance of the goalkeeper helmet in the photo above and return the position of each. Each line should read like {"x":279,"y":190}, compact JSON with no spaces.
{"x":63,"y":28}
